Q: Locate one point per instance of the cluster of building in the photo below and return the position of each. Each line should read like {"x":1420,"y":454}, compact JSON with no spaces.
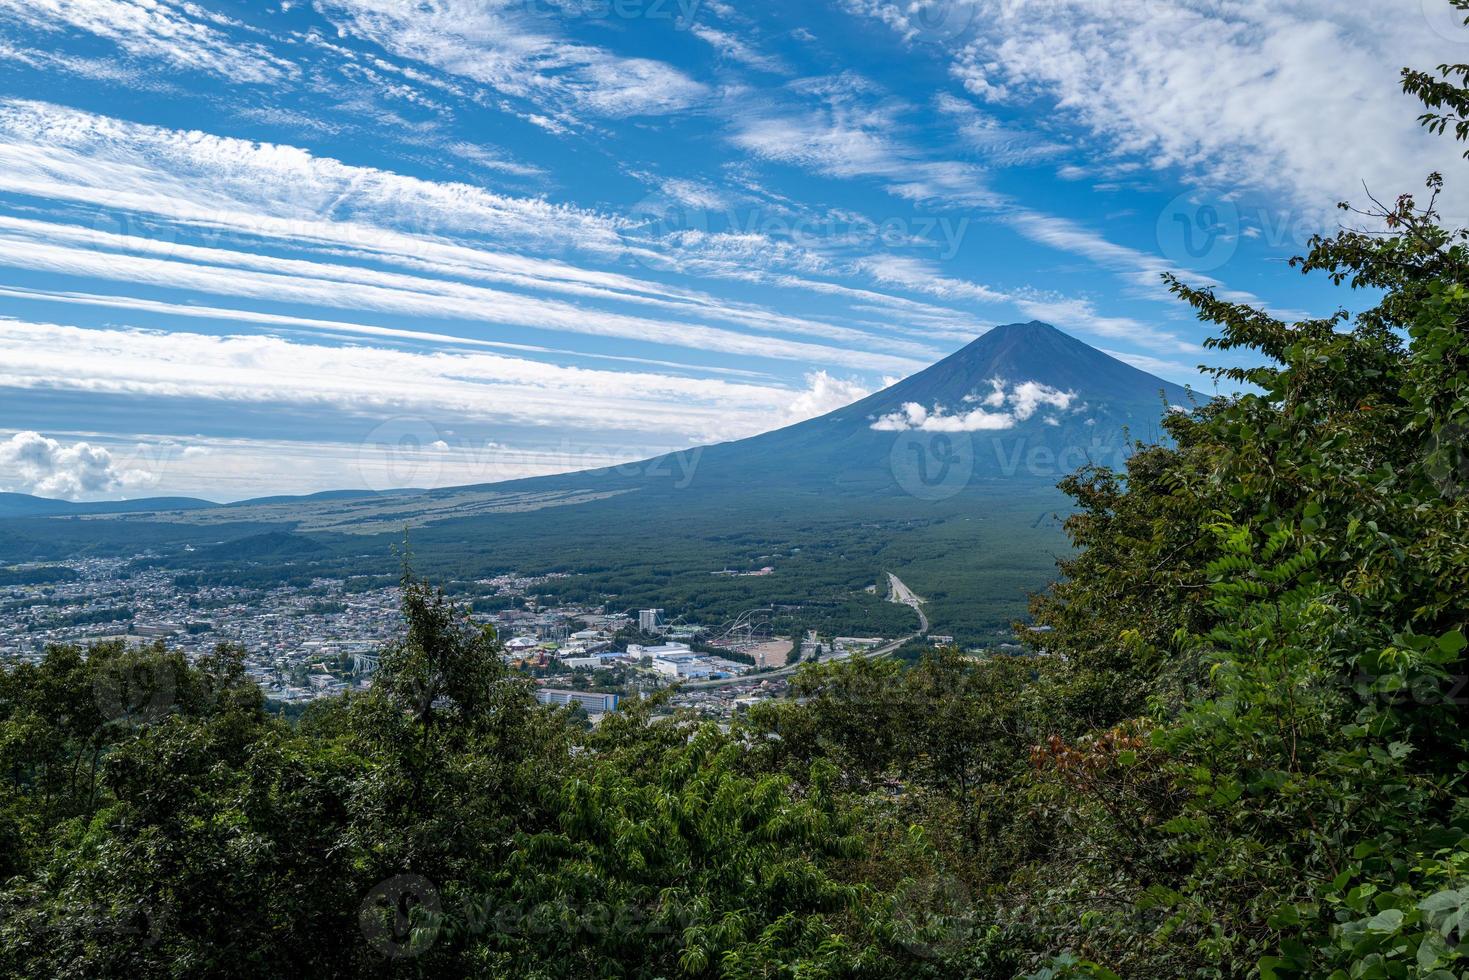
{"x":678,"y":661}
{"x":323,"y":640}
{"x":300,"y":643}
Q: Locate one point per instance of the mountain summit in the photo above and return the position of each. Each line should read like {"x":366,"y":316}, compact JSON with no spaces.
{"x":1038,"y":352}
{"x":1020,"y":393}
{"x":1024,"y":401}
{"x":949,"y":475}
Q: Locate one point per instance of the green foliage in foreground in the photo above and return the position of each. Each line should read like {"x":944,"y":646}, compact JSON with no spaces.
{"x":157,"y":821}
{"x":1239,"y":750}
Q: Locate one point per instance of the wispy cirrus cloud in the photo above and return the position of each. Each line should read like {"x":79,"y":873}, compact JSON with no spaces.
{"x":736,"y":49}
{"x":263,"y":193}
{"x":62,"y":153}
{"x":366,"y":289}
{"x":492,"y":388}
{"x":1233,"y":92}
{"x":851,"y":135}
{"x":341,"y":328}
{"x":1143,"y":271}
{"x":181,"y":34}
{"x":518,"y":50}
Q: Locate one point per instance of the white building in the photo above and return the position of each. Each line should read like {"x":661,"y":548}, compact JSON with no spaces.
{"x":661,"y":650}
{"x":595,"y":704}
{"x":681,"y":668}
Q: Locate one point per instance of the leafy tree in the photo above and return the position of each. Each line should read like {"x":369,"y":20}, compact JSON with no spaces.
{"x":1281,"y":597}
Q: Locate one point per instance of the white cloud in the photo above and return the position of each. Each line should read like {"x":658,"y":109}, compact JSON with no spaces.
{"x":999,"y":143}
{"x":339,"y":328}
{"x":1026,"y":398}
{"x":180,"y":34}
{"x":109,"y":71}
{"x":1182,"y":84}
{"x":849,"y":145}
{"x":732,"y":47}
{"x":49,"y":468}
{"x":1003,"y":407}
{"x":852,"y":137}
{"x":237,"y":468}
{"x":442,"y":385}
{"x":922,"y":276}
{"x":270,"y":189}
{"x":824,"y":394}
{"x":284,"y":194}
{"x":353,"y":287}
{"x":505,"y":45}
{"x":1176,"y":371}
{"x":484,"y":158}
{"x":1142,"y":271}
{"x":696,"y":194}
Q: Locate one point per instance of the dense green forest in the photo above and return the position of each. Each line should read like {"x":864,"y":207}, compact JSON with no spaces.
{"x":1239,"y":749}
{"x":974,"y":565}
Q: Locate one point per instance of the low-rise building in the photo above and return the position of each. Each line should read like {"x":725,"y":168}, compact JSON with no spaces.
{"x":595,"y":704}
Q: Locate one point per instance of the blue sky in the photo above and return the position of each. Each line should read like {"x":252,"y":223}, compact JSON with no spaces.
{"x":294,"y":245}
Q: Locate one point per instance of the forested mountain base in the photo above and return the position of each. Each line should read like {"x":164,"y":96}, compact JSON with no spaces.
{"x":1239,"y":750}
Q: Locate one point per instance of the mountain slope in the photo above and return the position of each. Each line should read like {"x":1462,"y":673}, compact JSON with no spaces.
{"x":1033,"y":351}
{"x":1088,"y":403}
{"x":25,"y":505}
{"x":1025,"y":402}
{"x":957,"y":496}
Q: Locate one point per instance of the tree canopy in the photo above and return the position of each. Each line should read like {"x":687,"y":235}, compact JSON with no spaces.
{"x":1237,"y":746}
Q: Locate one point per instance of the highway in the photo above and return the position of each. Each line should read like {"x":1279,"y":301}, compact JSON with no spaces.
{"x":900,"y":593}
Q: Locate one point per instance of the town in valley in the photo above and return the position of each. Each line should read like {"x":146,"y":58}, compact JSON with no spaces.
{"x":325,"y":640}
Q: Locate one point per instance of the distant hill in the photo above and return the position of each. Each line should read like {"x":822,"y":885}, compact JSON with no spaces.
{"x":25,"y":505}
{"x":263,"y":547}
{"x":323,"y":496}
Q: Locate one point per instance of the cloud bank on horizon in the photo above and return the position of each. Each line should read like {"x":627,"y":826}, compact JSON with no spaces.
{"x":245,"y":247}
